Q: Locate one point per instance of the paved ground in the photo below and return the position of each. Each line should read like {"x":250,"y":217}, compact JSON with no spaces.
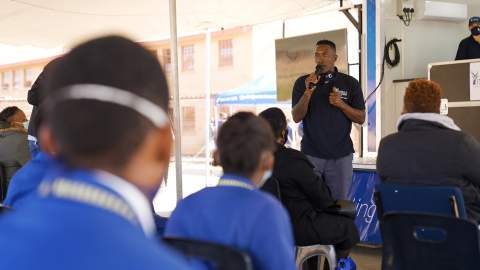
{"x":367,"y":258}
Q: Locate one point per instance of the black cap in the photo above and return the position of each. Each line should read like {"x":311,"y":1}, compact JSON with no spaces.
{"x":474,"y":19}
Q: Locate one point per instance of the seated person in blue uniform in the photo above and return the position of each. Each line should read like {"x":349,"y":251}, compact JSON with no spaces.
{"x":107,"y":121}
{"x":306,"y":196}
{"x":235,"y":212}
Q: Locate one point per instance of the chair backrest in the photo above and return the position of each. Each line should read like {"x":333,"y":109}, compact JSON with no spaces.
{"x":272,"y":186}
{"x":419,"y":241}
{"x":440,"y":200}
{"x":220,"y":256}
{"x":7,"y":170}
{"x":4,"y":209}
{"x":3,"y":183}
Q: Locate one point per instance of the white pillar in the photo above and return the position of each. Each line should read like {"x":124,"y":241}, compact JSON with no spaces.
{"x":208,"y":79}
{"x":176,"y":99}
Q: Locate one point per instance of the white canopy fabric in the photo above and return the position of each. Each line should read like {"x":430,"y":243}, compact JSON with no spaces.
{"x":53,"y":23}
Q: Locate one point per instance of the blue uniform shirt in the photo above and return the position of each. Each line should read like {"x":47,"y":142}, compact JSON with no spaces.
{"x":24,"y":183}
{"x":78,"y":222}
{"x":237,"y":214}
{"x":326,"y":129}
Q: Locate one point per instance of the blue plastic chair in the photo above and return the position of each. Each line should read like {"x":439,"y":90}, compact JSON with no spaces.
{"x":419,"y":242}
{"x":439,"y":200}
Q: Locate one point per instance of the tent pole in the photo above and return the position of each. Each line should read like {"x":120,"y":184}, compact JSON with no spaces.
{"x":208,"y":56}
{"x":176,"y":99}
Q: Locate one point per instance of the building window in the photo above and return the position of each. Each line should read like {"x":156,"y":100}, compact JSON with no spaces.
{"x":187,"y":57}
{"x":29,"y":77}
{"x":17,"y":79}
{"x":188,"y":119}
{"x":6,"y":80}
{"x":167,"y":60}
{"x":225,"y":53}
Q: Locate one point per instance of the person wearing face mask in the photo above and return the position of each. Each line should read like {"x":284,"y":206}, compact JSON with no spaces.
{"x":23,"y":185}
{"x":14,"y":151}
{"x":107,"y":122}
{"x":327,"y":102}
{"x":469,"y":47}
{"x":13,"y":117}
{"x":306,"y":195}
{"x":235,"y":212}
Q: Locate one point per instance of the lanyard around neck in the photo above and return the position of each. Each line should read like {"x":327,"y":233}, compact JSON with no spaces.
{"x":88,"y":194}
{"x":235,"y":183}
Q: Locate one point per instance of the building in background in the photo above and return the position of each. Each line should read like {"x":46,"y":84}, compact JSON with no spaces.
{"x":231,"y":66}
{"x":15,"y":81}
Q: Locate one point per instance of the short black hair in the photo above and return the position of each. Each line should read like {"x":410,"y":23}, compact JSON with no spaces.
{"x":277,"y":120}
{"x":327,"y":42}
{"x":241,"y":141}
{"x":92,"y":133}
{"x":36,"y":95}
{"x":8,"y":112}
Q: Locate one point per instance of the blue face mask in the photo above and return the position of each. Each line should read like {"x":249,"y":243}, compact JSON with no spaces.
{"x":25,"y":124}
{"x":151,"y":194}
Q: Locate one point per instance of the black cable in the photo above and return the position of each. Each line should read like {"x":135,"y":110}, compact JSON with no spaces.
{"x":388,"y":60}
{"x":386,"y":53}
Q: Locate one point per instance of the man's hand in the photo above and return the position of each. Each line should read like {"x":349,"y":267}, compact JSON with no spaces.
{"x":477,"y":38}
{"x":311,"y":79}
{"x":335,"y":98}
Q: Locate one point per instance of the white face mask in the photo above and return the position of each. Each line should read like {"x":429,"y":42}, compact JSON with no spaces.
{"x":25,"y":124}
{"x":265,"y":177}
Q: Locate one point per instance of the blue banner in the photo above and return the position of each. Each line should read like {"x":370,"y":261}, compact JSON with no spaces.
{"x":361,"y":193}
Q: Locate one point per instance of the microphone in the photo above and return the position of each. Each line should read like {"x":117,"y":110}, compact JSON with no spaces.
{"x":319,"y":69}
{"x":318,"y":73}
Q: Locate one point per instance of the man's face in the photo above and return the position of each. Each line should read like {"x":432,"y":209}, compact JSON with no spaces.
{"x":474,"y":25}
{"x":325,"y":56}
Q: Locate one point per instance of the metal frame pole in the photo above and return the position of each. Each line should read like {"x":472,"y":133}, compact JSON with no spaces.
{"x":208,"y":58}
{"x":176,"y":99}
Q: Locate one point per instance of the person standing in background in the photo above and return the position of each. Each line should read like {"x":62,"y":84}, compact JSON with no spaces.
{"x":469,"y":47}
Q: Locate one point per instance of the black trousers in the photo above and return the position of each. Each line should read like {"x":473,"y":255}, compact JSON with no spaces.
{"x":326,"y":229}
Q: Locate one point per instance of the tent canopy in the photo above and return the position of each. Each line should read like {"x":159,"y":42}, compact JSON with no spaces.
{"x":260,"y":91}
{"x":54,"y":23}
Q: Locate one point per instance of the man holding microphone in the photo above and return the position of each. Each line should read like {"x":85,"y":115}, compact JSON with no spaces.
{"x":328,"y":101}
